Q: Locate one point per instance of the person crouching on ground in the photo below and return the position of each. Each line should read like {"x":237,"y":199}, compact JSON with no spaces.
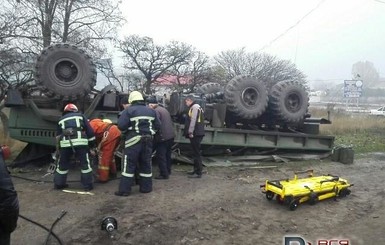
{"x":107,"y":140}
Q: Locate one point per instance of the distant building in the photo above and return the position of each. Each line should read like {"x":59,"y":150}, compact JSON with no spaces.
{"x":168,"y":83}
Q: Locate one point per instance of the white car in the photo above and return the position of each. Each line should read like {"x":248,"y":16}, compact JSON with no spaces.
{"x":378,"y":112}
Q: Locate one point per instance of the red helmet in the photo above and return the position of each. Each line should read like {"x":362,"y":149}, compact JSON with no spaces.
{"x":71,"y":107}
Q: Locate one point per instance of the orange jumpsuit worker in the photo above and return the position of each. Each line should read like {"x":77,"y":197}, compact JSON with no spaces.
{"x":108,"y":139}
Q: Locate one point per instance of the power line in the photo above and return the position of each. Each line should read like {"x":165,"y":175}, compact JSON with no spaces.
{"x":291,"y":27}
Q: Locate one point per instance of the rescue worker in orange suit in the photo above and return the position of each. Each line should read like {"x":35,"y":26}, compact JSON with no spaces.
{"x":194,"y":130}
{"x":107,"y":140}
{"x":9,"y":203}
{"x":139,"y":123}
{"x":74,"y":136}
{"x":163,"y":141}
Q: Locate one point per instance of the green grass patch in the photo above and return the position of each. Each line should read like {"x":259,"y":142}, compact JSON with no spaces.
{"x":362,"y":141}
{"x":364,"y":133}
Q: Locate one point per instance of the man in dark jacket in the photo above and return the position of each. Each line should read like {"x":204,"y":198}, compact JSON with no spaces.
{"x":164,"y":140}
{"x":139,"y":123}
{"x":9,"y":204}
{"x":75,"y":136}
{"x":194,"y":130}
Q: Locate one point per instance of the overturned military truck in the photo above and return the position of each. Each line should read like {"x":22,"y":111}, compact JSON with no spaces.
{"x":245,"y":116}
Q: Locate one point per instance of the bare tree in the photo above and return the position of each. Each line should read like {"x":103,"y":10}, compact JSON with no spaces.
{"x":192,"y":72}
{"x":235,"y":62}
{"x":153,"y":61}
{"x":15,"y":72}
{"x":265,"y":67}
{"x":39,"y":23}
{"x":26,"y":26}
{"x":106,"y":68}
{"x":366,"y":72}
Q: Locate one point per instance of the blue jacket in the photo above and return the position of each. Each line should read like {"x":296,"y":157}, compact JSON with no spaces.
{"x":75,"y":130}
{"x":138,"y":120}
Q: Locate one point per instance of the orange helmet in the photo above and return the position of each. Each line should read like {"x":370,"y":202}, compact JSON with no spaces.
{"x":71,"y":107}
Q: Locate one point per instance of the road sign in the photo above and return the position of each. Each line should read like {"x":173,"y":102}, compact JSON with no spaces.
{"x":352,"y":88}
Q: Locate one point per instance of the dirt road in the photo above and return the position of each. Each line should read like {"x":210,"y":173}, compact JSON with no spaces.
{"x":226,"y":206}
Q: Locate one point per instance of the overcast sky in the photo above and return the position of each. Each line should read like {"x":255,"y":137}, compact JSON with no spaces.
{"x":324,"y":38}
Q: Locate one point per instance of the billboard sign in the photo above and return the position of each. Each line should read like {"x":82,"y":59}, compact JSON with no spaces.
{"x":352,"y":88}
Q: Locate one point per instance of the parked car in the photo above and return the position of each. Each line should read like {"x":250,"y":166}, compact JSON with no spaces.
{"x":378,"y":112}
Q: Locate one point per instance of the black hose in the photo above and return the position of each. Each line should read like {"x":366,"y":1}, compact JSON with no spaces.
{"x":43,"y":227}
{"x":28,"y":179}
{"x":54,"y":223}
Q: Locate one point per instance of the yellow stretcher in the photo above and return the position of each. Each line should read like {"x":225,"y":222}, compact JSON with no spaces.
{"x":312,"y":189}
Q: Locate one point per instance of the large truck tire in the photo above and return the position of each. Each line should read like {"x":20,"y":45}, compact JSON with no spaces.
{"x":288,"y":101}
{"x":210,"y":88}
{"x":246,"y":96}
{"x":65,"y":70}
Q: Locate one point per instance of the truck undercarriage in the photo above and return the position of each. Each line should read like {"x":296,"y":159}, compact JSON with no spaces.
{"x":247,"y":116}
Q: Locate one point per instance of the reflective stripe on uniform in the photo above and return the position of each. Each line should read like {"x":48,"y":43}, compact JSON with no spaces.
{"x":132,"y":141}
{"x":137,"y":119}
{"x":128,"y":175}
{"x":75,"y":142}
{"x":125,"y":168}
{"x":89,"y":169}
{"x":77,"y":120}
{"x":145,"y":175}
{"x":86,"y":171}
{"x":199,"y":116}
{"x":61,"y":171}
{"x":103,"y":167}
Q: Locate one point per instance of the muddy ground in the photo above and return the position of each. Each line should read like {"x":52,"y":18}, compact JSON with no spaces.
{"x":226,"y":206}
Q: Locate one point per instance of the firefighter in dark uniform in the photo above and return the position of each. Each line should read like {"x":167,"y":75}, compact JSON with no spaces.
{"x":74,"y":136}
{"x":194,"y":130}
{"x":139,"y":123}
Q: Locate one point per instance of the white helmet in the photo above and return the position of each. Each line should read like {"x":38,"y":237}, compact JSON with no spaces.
{"x":106,"y":120}
{"x":135,"y":96}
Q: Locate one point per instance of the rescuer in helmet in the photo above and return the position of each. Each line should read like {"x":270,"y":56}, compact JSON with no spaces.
{"x":139,"y":123}
{"x":74,"y":137}
{"x":107,"y":138}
